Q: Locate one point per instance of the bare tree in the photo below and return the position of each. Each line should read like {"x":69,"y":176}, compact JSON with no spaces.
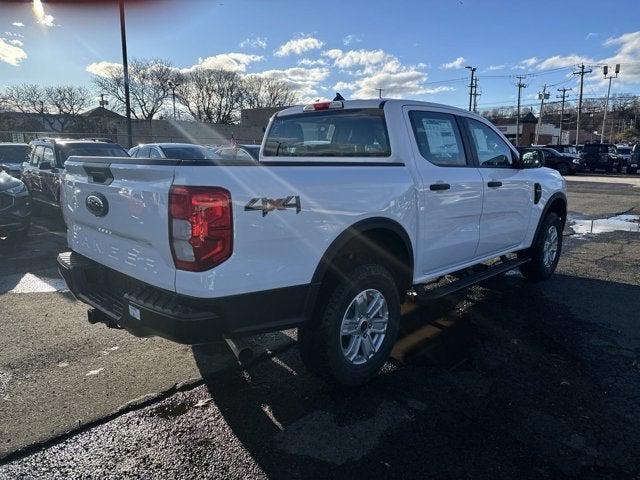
{"x":29,"y":98}
{"x":67,"y":101}
{"x":267,"y":92}
{"x":213,"y":96}
{"x":149,"y":88}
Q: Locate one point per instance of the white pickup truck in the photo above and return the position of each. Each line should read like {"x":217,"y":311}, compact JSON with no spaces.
{"x":352,"y":205}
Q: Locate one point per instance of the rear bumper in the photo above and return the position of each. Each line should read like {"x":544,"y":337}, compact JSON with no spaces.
{"x":145,"y":310}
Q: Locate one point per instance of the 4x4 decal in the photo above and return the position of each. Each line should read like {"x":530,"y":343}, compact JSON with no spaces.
{"x":266,"y":205}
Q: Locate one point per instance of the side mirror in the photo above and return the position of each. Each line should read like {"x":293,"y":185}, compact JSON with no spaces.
{"x":531,"y":160}
{"x":45,"y":166}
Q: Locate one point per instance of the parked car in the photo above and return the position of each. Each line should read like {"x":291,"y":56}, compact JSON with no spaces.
{"x":42,"y":172}
{"x":565,"y":163}
{"x":12,"y":156}
{"x":15,"y":208}
{"x":237,"y":152}
{"x":177,"y":151}
{"x":634,"y":162}
{"x":564,"y":148}
{"x":352,"y":204}
{"x":602,"y":156}
{"x":624,"y":152}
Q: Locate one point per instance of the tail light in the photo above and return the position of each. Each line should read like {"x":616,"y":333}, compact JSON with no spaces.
{"x":200,"y":227}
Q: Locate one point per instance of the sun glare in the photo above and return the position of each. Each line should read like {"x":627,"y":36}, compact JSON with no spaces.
{"x":38,"y":10}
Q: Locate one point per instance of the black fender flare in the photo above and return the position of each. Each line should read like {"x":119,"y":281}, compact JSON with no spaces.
{"x":545,"y":210}
{"x":336,"y":246}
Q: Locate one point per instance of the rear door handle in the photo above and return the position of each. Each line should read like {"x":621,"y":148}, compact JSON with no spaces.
{"x":494,"y":184}
{"x":439,"y":186}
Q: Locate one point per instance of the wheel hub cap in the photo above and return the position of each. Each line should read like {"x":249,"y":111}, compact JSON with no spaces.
{"x":364,"y":326}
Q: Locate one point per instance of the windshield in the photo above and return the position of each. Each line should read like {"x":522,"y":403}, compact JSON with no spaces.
{"x":14,"y":154}
{"x":186,"y":153}
{"x":341,"y":133}
{"x":90,"y":150}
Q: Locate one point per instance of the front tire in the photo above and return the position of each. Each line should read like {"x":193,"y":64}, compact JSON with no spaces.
{"x":545,"y":252}
{"x":352,"y":333}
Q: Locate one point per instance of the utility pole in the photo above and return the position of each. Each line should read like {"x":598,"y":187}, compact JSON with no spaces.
{"x":564,"y":93}
{"x":581,"y":73}
{"x":471,"y":85}
{"x":605,"y":71}
{"x":379,"y":92}
{"x":125,"y":69}
{"x":475,"y":95}
{"x":542,"y":96}
{"x":520,"y":87}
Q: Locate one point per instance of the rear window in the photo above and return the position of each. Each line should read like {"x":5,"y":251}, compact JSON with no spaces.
{"x":90,"y":150}
{"x":331,"y":133}
{"x":13,"y":153}
{"x":184,"y":153}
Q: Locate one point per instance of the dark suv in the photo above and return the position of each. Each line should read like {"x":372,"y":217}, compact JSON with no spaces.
{"x":634,"y":163}
{"x":602,"y":156}
{"x":42,"y":172}
{"x":566,"y":164}
{"x":12,"y":156}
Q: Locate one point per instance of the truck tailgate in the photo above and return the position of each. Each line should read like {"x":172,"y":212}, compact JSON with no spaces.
{"x":116,"y":211}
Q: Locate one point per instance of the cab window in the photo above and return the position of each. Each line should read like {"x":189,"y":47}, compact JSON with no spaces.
{"x":492,"y":151}
{"x":438,"y":138}
{"x":37,"y":155}
{"x":47,"y":156}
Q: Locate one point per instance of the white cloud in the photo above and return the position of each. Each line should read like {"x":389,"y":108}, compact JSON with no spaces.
{"x":298,"y":46}
{"x":103,"y":69}
{"x":234,"y":62}
{"x":254,"y":42}
{"x":628,"y":55}
{"x":365,"y":59}
{"x":306,"y":62}
{"x":526,"y":63}
{"x":559,"y":61}
{"x":495,"y":67}
{"x":17,"y":43}
{"x":454,"y":64}
{"x":18,"y":24}
{"x":11,"y":54}
{"x":350,"y":39}
{"x":305,"y":81}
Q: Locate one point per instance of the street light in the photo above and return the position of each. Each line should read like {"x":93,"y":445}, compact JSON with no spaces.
{"x":473,"y":71}
{"x":605,"y":71}
{"x":125,"y":69}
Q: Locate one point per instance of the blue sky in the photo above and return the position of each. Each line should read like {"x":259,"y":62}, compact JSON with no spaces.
{"x":411,"y":49}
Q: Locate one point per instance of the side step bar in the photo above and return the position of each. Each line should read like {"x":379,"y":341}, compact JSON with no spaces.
{"x":425,"y":294}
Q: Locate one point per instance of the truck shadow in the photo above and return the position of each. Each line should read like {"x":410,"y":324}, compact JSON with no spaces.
{"x":486,"y":371}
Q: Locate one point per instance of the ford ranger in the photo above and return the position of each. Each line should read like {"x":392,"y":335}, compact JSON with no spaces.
{"x":352,"y":206}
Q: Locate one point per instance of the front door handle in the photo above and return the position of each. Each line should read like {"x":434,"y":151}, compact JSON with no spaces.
{"x":494,"y":184}
{"x":439,"y":186}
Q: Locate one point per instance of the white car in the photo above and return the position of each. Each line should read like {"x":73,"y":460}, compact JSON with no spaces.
{"x":351,"y":205}
{"x":177,"y":151}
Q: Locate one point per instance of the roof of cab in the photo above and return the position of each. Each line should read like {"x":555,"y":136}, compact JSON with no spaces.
{"x":375,"y":103}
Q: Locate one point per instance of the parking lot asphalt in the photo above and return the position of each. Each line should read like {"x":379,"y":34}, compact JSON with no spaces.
{"x":507,"y":380}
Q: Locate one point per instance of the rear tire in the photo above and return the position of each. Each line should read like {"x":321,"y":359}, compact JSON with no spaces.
{"x":343,"y":343}
{"x":545,"y":251}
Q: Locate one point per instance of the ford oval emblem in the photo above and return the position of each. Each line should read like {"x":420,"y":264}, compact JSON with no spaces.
{"x":97,"y":204}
